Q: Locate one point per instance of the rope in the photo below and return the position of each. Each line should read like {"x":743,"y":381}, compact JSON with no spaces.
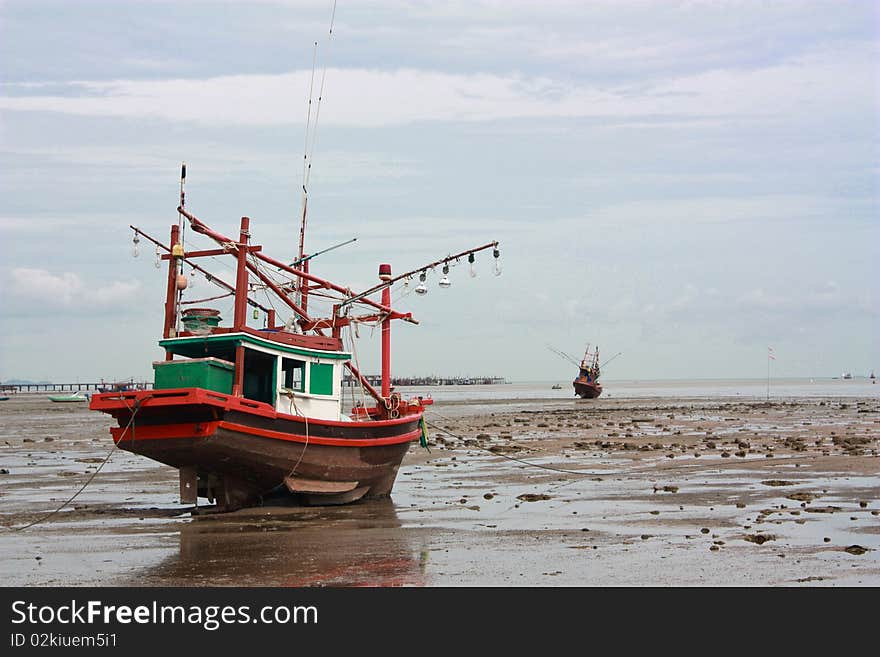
{"x":306,"y":418}
{"x":509,"y":458}
{"x":134,"y":409}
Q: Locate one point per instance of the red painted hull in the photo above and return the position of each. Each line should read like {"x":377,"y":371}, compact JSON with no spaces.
{"x":586,"y":390}
{"x":239,"y":450}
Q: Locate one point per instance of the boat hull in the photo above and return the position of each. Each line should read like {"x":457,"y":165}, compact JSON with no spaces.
{"x":586,"y":390}
{"x":237,"y":452}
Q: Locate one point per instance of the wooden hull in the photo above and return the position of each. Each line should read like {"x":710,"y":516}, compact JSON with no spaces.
{"x":587,"y":390}
{"x":237,"y":451}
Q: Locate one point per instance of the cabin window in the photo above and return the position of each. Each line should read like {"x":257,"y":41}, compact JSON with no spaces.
{"x":293,"y":374}
{"x":321,"y":379}
{"x":259,"y":376}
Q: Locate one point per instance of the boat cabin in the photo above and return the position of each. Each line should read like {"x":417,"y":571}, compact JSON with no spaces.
{"x":292,"y":378}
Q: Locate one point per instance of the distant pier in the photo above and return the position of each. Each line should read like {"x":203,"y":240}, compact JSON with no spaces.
{"x":376,"y":380}
{"x":347,"y":381}
{"x":71,"y":387}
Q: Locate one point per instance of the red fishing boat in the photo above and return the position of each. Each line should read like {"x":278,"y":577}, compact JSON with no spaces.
{"x":586,"y":385}
{"x":254,"y":409}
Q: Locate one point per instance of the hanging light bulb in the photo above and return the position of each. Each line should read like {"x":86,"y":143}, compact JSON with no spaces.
{"x":422,"y":288}
{"x":445,"y":282}
{"x":497,"y":268}
{"x":135,"y":251}
{"x":158,"y":262}
{"x":471,"y":269}
{"x":256,"y":313}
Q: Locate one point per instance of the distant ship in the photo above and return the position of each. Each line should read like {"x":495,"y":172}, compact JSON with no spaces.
{"x":846,"y":375}
{"x":586,"y":385}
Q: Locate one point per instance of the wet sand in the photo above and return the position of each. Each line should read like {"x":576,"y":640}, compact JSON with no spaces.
{"x":559,"y":492}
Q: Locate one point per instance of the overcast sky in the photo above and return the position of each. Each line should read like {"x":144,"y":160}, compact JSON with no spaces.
{"x":684,"y":182}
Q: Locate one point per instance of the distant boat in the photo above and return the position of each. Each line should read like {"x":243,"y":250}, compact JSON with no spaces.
{"x":586,"y":385}
{"x":556,"y":386}
{"x":4,"y":398}
{"x":846,"y":375}
{"x":77,"y":396}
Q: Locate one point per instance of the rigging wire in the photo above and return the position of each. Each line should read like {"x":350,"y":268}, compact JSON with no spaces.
{"x":352,"y":331}
{"x":312,"y":131}
{"x":320,"y":97}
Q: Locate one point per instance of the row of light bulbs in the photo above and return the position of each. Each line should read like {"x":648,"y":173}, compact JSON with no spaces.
{"x":444,"y":282}
{"x":136,"y":250}
{"x":421,"y":288}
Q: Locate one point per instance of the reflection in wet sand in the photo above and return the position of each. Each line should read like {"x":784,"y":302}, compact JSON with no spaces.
{"x":357,"y":545}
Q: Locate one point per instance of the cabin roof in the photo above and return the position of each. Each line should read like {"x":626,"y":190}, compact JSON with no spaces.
{"x":196,"y":346}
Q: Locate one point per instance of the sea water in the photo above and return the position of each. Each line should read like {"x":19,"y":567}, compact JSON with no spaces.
{"x":748,"y":389}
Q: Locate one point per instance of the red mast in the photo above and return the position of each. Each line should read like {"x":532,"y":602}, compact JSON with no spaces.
{"x":385,"y":275}
{"x":171,"y":293}
{"x":240,"y":318}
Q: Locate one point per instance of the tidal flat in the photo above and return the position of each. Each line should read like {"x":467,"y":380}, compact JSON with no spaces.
{"x":715,"y":491}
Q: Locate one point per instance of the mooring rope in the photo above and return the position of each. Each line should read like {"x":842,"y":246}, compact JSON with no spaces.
{"x":134,"y":409}
{"x":303,"y":452}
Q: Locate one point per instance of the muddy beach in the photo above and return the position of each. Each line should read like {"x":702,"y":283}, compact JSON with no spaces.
{"x":536,"y":492}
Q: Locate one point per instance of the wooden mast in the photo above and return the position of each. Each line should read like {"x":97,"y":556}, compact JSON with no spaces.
{"x":240,"y":317}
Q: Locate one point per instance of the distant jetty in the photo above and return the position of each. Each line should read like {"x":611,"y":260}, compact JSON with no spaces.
{"x":376,"y":379}
{"x":372,"y":379}
{"x":46,"y":386}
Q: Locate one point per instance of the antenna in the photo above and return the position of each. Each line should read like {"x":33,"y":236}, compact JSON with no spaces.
{"x":303,"y":259}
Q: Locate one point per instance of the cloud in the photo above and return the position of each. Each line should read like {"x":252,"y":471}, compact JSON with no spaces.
{"x":67,"y":291}
{"x":827,"y":299}
{"x":814,"y":85}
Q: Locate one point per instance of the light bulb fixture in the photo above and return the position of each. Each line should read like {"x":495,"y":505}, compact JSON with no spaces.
{"x":421,"y":288}
{"x":497,"y":268}
{"x":158,"y":262}
{"x":256,"y":313}
{"x":445,"y":282}
{"x":135,"y":251}
{"x":471,"y":269}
